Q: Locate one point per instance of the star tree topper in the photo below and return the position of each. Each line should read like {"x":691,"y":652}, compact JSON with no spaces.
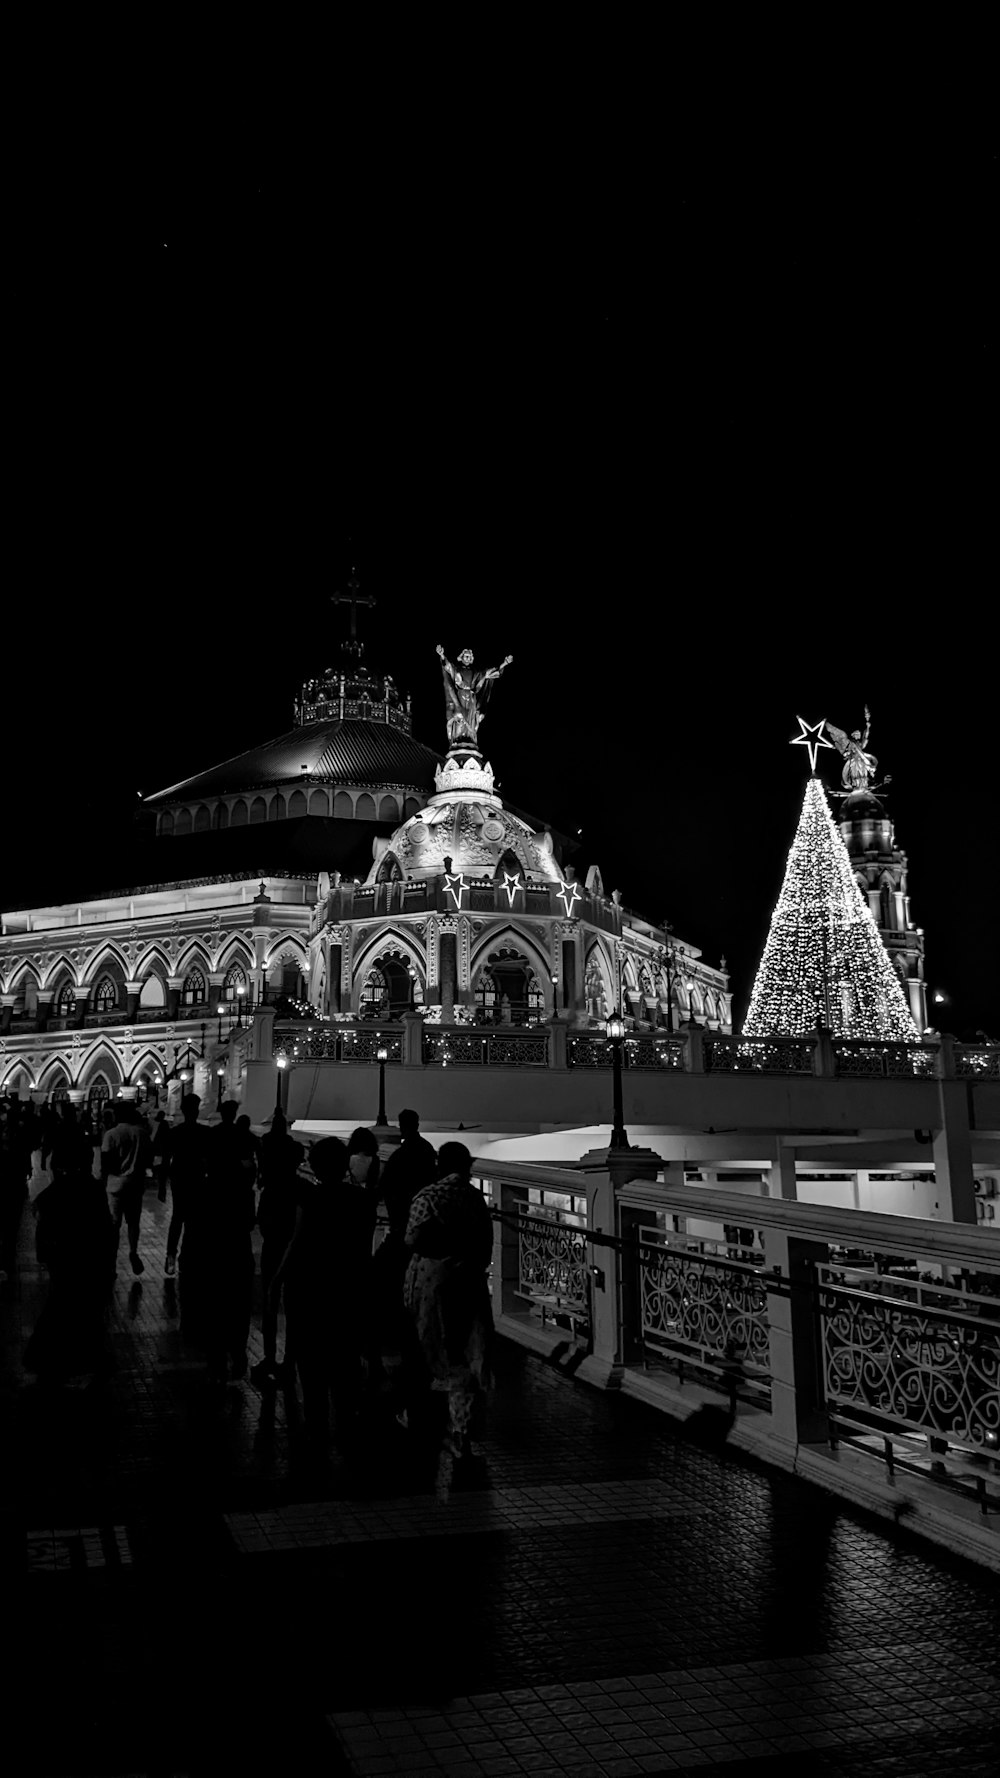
{"x":812,"y":736}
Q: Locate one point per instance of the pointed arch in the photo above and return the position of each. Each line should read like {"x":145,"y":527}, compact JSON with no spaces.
{"x":288,"y":941}
{"x":512,"y":932}
{"x":599,"y":981}
{"x":53,"y":1075}
{"x":102,"y":1062}
{"x":16,"y":1079}
{"x":149,"y":1063}
{"x":152,"y":959}
{"x":390,"y":870}
{"x":236,"y":950}
{"x":54,"y":974}
{"x":194,"y":957}
{"x":390,"y":939}
{"x":108,"y":960}
{"x":22,"y":972}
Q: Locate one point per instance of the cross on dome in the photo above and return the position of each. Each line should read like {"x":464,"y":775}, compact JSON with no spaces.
{"x":353,"y":597}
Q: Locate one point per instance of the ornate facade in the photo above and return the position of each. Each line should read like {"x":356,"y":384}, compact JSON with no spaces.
{"x":342,"y":864}
{"x":880,"y":868}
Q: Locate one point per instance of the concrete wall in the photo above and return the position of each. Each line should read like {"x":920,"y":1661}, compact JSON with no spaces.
{"x":522,"y":1098}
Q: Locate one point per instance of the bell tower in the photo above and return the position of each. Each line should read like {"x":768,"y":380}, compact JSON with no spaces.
{"x":880,"y":867}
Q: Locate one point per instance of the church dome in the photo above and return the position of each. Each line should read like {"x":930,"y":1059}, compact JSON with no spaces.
{"x":478,"y":835}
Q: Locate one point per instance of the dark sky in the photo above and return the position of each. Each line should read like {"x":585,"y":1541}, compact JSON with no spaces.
{"x":702,"y":432}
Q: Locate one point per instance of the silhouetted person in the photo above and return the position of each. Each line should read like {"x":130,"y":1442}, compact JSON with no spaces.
{"x":13,"y":1188}
{"x":280,"y":1160}
{"x":124,"y":1160}
{"x":185,"y":1168}
{"x":76,"y":1242}
{"x":450,"y":1240}
{"x":159,"y":1143}
{"x":325,"y":1273}
{"x":249,"y":1141}
{"x":409,"y":1168}
{"x":223,"y":1216}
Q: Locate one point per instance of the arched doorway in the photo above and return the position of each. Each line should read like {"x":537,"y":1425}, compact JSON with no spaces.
{"x":385,"y":993}
{"x":507,"y":990}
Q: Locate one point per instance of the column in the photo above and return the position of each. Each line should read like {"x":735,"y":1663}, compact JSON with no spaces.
{"x":133,"y":991}
{"x":9,"y":1001}
{"x":215,"y":981}
{"x":953,"y":1178}
{"x":334,"y":966}
{"x":782,"y":1175}
{"x":174,"y":985}
{"x":43,"y":1008}
{"x":80,"y":1006}
{"x":798,"y":1415}
{"x":568,"y":983}
{"x":448,"y":971}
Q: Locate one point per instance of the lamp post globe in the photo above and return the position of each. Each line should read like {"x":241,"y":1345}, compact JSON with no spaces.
{"x":219,"y":1012}
{"x":282,"y":1064}
{"x":615,"y":1029}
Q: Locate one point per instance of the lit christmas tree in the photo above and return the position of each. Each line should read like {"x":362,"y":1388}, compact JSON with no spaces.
{"x":824,"y":961}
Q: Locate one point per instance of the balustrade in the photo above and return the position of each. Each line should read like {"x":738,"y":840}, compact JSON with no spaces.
{"x":703,"y":1311}
{"x":758,"y":1055}
{"x":898,"y":1353}
{"x":464,"y":1046}
{"x":883,"y":1061}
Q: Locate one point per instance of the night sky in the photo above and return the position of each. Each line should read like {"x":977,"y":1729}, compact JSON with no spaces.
{"x":703,"y":434}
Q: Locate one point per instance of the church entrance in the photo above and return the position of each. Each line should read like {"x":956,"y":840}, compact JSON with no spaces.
{"x":385,"y":994}
{"x":507,"y":990}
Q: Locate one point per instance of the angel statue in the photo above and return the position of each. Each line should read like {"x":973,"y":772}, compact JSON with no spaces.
{"x":859,"y":766}
{"x":465,"y":694}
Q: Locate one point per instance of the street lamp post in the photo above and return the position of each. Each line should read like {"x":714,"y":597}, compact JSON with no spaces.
{"x":282,"y":1062}
{"x":218,"y":1013}
{"x":412,"y":973}
{"x":615,"y":1028}
{"x":220,"y":1075}
{"x":382,"y":1057}
{"x":240,"y":991}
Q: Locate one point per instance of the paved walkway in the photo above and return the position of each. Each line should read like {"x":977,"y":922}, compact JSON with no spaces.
{"x":596,"y":1597}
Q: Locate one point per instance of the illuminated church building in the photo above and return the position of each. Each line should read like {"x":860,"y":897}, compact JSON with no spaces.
{"x":344,"y":865}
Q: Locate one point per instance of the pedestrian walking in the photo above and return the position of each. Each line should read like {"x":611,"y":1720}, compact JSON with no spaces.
{"x":124,"y":1164}
{"x":280,"y":1160}
{"x":325,"y":1272}
{"x":409,"y":1168}
{"x":184,"y":1168}
{"x":76,"y":1242}
{"x":450,"y":1240}
{"x":222,"y":1221}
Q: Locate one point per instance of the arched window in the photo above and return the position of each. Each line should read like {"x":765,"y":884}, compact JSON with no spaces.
{"x":97,"y":1098}
{"x":66,"y":1002}
{"x":374,"y":996}
{"x":106,"y":997}
{"x":486,"y":997}
{"x":536,"y":997}
{"x":60,"y":1090}
{"x":235,"y":979}
{"x":194,"y":991}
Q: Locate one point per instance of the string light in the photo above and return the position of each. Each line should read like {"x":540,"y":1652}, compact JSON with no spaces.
{"x":824,"y":960}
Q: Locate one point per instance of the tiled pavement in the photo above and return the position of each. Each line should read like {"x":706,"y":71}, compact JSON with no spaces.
{"x":596,"y":1597}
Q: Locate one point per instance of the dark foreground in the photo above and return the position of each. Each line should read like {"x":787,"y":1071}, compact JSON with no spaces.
{"x":591,"y":1595}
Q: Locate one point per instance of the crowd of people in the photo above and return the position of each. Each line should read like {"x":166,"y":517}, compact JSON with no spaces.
{"x":381,"y":1270}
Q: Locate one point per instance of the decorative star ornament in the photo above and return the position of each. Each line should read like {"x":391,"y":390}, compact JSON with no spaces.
{"x":570,"y":894}
{"x":512,"y":885}
{"x":812,"y":736}
{"x":455,"y":886}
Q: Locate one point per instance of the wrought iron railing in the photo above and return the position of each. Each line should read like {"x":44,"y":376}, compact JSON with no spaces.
{"x":976,"y":1064}
{"x":593,"y":1050}
{"x":882,"y":1061}
{"x":466,"y":1047}
{"x":758,"y":1055}
{"x":703,"y":1312}
{"x":552,"y":1267}
{"x":917,"y":1355}
{"x":336,"y":1043}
